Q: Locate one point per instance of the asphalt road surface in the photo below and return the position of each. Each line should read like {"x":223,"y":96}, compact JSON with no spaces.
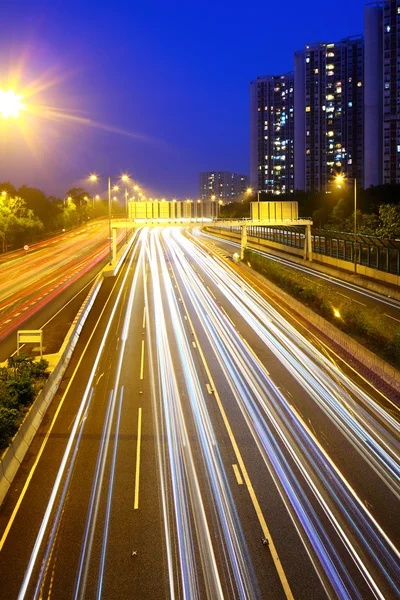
{"x":202,"y":447}
{"x":350,"y":291}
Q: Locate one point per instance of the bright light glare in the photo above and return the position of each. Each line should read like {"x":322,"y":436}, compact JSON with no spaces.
{"x":93,"y":177}
{"x":124,"y":177}
{"x":337,"y":314}
{"x":10,"y":104}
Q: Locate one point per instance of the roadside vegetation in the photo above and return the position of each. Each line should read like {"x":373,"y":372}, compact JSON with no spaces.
{"x":27,"y":214}
{"x":367,"y":326}
{"x":20,"y":383}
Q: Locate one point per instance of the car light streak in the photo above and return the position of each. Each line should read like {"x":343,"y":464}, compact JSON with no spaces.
{"x":221,"y":493}
{"x":93,"y":504}
{"x":109,"y":499}
{"x":71,"y":442}
{"x":347,"y":285}
{"x":347,"y":514}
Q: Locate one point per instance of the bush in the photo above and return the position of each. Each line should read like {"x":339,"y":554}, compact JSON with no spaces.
{"x":20,"y":382}
{"x":10,"y":419}
{"x":367,"y":326}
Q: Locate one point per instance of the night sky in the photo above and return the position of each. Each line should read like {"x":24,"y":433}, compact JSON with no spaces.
{"x":173,"y":76}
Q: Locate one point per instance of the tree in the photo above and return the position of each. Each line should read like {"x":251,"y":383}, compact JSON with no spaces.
{"x":16,"y":220}
{"x":389,"y":216}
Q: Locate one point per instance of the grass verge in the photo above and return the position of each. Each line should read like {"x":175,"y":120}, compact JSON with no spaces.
{"x":366,"y":325}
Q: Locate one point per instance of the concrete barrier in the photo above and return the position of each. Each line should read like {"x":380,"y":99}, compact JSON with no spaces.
{"x":14,"y":454}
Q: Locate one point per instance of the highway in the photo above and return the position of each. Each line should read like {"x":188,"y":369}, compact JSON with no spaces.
{"x":29,"y":280}
{"x":202,"y":447}
{"x":349,"y":290}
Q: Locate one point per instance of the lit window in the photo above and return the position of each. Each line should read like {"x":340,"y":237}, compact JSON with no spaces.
{"x":308,"y":108}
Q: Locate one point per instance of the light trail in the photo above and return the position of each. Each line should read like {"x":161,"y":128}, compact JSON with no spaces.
{"x":71,"y":445}
{"x":374,"y":442}
{"x":347,"y":285}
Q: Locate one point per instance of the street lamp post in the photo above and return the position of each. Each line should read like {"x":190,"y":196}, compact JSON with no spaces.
{"x":94,"y":177}
{"x":340,"y":179}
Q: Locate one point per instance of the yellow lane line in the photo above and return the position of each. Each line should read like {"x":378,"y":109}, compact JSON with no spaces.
{"x":50,"y":429}
{"x":226,"y":314}
{"x":144,"y":318}
{"x":254,"y":500}
{"x":142,"y":361}
{"x":212,"y":293}
{"x":138,"y":447}
{"x":237,"y":474}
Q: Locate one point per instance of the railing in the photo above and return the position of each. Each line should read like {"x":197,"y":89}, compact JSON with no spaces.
{"x":372,"y":252}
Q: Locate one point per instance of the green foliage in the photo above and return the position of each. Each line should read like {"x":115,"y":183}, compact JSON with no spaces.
{"x":389,"y":216}
{"x":10,"y":420}
{"x":366,"y":325}
{"x":20,"y":382}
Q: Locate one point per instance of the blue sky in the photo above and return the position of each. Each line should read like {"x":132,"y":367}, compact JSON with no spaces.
{"x":173,"y":76}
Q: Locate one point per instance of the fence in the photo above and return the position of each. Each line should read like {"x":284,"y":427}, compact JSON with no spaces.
{"x":369,"y":251}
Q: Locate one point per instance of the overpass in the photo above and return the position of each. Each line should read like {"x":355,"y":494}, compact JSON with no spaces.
{"x":242,"y":223}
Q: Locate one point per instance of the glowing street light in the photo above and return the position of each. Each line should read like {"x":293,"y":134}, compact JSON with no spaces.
{"x":10,"y":104}
{"x":93,"y":177}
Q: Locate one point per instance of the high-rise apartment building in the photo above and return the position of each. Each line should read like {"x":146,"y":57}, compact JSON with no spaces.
{"x":391,"y":91}
{"x":222,"y":184}
{"x":272,"y":134}
{"x":329,"y":113}
{"x":373,"y":94}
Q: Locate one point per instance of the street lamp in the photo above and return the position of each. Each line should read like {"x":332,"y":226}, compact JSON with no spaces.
{"x":340,"y":179}
{"x":93,"y":177}
{"x":10,"y":104}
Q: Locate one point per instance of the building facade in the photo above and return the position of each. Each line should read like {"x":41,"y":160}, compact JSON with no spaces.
{"x":222,"y":184}
{"x":373,"y":94}
{"x":272,"y":134}
{"x":391,"y":91}
{"x":329,"y":113}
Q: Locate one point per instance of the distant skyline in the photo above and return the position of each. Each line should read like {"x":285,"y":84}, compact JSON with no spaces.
{"x":174,"y":78}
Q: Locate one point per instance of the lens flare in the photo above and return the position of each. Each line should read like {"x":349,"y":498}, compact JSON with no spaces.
{"x":10,"y":104}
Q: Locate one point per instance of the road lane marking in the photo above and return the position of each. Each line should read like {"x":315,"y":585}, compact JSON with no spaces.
{"x":390,"y":317}
{"x":144,"y":317}
{"x":226,"y":314}
{"x":351,"y":299}
{"x":256,"y":505}
{"x":212,"y":294}
{"x":238,"y":476}
{"x":50,"y":429}
{"x":138,"y":448}
{"x":142,"y":362}
{"x":209,"y":388}
{"x":194,"y":344}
